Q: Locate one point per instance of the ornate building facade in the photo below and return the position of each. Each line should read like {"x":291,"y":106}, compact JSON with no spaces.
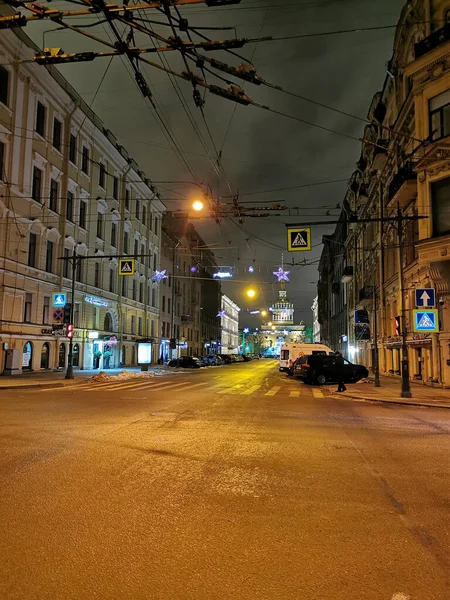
{"x":404,"y":168}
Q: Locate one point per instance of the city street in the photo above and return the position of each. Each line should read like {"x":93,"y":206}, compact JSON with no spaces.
{"x":233,"y":482}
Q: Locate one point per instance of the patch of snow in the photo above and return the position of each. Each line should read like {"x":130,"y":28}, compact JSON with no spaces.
{"x":103,"y":377}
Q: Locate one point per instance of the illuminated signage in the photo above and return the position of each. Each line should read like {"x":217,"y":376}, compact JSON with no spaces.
{"x":96,"y":301}
{"x":223,"y":275}
{"x":93,"y":335}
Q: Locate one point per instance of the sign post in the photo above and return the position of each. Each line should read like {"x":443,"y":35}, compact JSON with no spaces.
{"x":126,"y":266}
{"x":425,"y":320}
{"x":425,"y":297}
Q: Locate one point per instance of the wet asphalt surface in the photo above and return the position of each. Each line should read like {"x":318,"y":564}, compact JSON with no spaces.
{"x":233,"y":482}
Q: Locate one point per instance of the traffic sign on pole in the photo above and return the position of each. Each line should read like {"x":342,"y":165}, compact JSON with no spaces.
{"x":126,"y":266}
{"x":59,"y":299}
{"x":58,"y":315}
{"x":299,"y":238}
{"x":425,"y":297}
{"x":425,"y":321}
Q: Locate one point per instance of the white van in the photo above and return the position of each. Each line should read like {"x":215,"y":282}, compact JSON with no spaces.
{"x":290,"y":353}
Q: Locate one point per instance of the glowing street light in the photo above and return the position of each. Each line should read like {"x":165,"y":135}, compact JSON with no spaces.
{"x":264,"y":313}
{"x":251,"y":293}
{"x":197,"y":205}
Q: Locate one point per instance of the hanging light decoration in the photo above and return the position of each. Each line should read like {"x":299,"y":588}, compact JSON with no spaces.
{"x":221,"y":313}
{"x":281,"y":274}
{"x":251,"y":269}
{"x":159,"y":276}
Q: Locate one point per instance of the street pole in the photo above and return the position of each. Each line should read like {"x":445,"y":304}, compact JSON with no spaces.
{"x":406,"y":388}
{"x":375,"y":339}
{"x":69,"y":372}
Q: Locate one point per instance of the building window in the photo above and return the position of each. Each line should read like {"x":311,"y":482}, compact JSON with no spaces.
{"x":32,"y":250}
{"x":76,"y":315}
{"x":78,"y":270}
{"x":54,"y":192}
{"x":156,"y":225}
{"x":136,"y":247}
{"x":133,"y":324}
{"x":73,"y":149}
{"x":153,"y":297}
{"x":28,"y":308}
{"x":85,"y":160}
{"x":111,"y":280}
{"x":102,"y":176}
{"x":46,"y":310}
{"x":144,"y":215}
{"x":150,"y":220}
{"x":49,"y":258}
{"x":57,"y":128}
{"x":100,"y":222}
{"x":4,"y":85}
{"x":143,"y":257}
{"x":127,"y":199}
{"x":134,"y":288}
{"x":439,"y":107}
{"x":115,"y":188}
{"x":83,"y":211}
{"x":97,"y":275}
{"x":124,"y":286}
{"x":141,"y":291}
{"x":440,"y":193}
{"x":2,"y":162}
{"x":139,"y":325}
{"x":69,"y":206}
{"x":113,"y":234}
{"x":125,"y":242}
{"x":152,"y":328}
{"x":163,"y":329}
{"x":154,"y":262}
{"x":40,"y":119}
{"x":168,"y":305}
{"x":66,"y":263}
{"x":138,"y":209}
{"x":36,"y":188}
{"x":163,"y":307}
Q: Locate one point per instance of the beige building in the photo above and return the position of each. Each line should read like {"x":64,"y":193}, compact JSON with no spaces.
{"x":67,"y":186}
{"x":229,"y":320}
{"x":404,"y":165}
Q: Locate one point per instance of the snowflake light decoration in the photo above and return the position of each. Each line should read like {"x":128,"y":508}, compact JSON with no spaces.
{"x":221,"y":313}
{"x":159,"y":276}
{"x":281,"y":275}
{"x":193,"y":269}
{"x":251,"y":269}
{"x":246,"y":330}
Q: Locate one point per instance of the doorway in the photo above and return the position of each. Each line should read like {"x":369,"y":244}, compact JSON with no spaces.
{"x":45,"y":355}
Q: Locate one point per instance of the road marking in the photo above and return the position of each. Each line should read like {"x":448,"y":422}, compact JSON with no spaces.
{"x":273,"y":391}
{"x":229,"y":390}
{"x":317,"y":394}
{"x":401,"y":596}
{"x":250,"y":390}
{"x":294,"y":393}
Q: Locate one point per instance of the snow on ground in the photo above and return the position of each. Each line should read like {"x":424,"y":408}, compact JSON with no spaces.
{"x":125,"y":375}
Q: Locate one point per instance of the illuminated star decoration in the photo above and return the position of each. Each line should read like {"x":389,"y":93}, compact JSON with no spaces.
{"x":221,"y":313}
{"x":281,"y":275}
{"x":193,"y":269}
{"x":251,"y":269}
{"x":159,"y":276}
{"x":246,"y":330}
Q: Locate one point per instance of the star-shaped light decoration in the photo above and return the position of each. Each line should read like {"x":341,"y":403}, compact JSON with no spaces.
{"x":285,"y":332}
{"x":251,"y":269}
{"x":246,"y":330}
{"x":193,"y":269}
{"x":159,"y":276}
{"x":221,"y":313}
{"x":281,"y":275}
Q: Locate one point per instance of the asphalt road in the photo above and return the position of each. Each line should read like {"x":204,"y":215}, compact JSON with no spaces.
{"x":230,"y":483}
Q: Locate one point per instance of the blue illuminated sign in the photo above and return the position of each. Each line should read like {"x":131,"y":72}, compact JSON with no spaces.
{"x":59,"y":300}
{"x":425,"y":321}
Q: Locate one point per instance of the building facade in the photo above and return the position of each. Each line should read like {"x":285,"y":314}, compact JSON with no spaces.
{"x":404,"y":170}
{"x":229,"y":321}
{"x":67,"y":188}
{"x":315,"y":320}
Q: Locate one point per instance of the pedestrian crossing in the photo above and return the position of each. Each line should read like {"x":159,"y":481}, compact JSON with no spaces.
{"x":217,"y":387}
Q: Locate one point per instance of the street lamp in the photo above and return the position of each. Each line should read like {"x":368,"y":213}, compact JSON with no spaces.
{"x":264,"y":313}
{"x":251,"y":293}
{"x":197,"y":205}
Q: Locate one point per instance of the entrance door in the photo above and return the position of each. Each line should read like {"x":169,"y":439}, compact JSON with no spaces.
{"x":62,"y":356}
{"x":45,"y":355}
{"x":76,"y":355}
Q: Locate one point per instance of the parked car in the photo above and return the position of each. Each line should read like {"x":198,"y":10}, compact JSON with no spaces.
{"x":187,"y":362}
{"x":238,"y":357}
{"x":227,"y":358}
{"x":213,"y":360}
{"x":321,"y":369}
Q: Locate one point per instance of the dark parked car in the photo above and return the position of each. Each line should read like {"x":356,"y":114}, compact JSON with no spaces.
{"x":187,"y":362}
{"x":313,"y":368}
{"x":226,"y":358}
{"x":212,"y":359}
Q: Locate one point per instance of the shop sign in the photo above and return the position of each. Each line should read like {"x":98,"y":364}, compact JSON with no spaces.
{"x":46,"y":331}
{"x":96,"y":301}
{"x":92,"y":335}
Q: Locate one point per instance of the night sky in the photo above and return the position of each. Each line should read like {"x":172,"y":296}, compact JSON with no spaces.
{"x":260,"y":151}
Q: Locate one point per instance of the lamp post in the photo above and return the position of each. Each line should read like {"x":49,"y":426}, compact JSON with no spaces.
{"x":375,"y":339}
{"x":69,"y":372}
{"x":406,"y":388}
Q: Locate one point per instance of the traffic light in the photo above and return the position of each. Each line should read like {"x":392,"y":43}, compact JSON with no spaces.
{"x":397,"y":325}
{"x":67,"y":310}
{"x":70,"y":330}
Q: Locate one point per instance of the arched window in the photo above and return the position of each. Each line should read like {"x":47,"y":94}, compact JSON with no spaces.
{"x":108,"y":324}
{"x":62,"y":356}
{"x":76,"y":355}
{"x":45,"y":355}
{"x":27,"y":357}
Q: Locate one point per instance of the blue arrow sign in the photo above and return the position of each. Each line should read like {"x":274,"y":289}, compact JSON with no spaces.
{"x":425,"y":297}
{"x":59,"y":300}
{"x":425,"y":321}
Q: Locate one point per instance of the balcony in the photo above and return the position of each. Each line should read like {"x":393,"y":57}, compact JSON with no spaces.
{"x":380,"y":155}
{"x":366,"y":293}
{"x":187,"y":319}
{"x":432,"y":41}
{"x":347,"y":275}
{"x":403,"y":187}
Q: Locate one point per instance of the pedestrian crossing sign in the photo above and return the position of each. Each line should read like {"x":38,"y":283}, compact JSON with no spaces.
{"x":299,"y":238}
{"x":425,"y":321}
{"x":126,"y":266}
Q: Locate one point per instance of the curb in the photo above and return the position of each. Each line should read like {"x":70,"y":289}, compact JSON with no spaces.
{"x":30,"y":386}
{"x":400,"y":402}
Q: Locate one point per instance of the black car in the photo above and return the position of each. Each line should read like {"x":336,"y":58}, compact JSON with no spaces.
{"x":187,"y":362}
{"x":313,"y":368}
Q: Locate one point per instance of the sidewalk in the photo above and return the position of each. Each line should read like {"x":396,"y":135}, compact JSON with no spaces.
{"x":390,"y":391}
{"x":55,"y":379}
